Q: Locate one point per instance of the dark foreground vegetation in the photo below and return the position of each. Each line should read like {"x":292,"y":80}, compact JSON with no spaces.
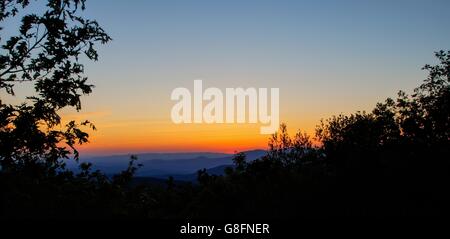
{"x":393,"y":160}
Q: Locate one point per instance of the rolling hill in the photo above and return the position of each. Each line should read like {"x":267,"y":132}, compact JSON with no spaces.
{"x":182,"y":166}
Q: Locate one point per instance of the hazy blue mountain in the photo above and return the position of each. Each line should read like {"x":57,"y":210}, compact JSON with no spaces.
{"x":162,"y":165}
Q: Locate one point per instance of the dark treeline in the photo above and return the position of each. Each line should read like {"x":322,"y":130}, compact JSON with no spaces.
{"x":390,"y":161}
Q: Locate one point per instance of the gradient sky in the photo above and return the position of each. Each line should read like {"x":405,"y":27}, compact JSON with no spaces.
{"x":327,"y":57}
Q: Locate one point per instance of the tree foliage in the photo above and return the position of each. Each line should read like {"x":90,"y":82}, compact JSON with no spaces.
{"x":390,"y":161}
{"x":45,"y":53}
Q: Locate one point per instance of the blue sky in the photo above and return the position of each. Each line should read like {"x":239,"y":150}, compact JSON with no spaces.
{"x":345,"y":55}
{"x":327,"y":57}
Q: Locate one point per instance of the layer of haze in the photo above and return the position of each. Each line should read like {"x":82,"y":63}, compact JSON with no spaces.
{"x":327,"y":57}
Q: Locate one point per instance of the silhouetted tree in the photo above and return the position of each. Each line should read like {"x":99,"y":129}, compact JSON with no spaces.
{"x":45,"y":53}
{"x":391,"y":161}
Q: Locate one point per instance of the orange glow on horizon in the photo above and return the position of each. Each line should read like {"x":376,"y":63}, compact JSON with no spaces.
{"x":134,"y":136}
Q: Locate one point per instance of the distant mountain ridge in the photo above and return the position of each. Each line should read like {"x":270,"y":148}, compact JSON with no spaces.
{"x":182,"y":166}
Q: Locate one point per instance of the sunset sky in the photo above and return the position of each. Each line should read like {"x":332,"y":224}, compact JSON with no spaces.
{"x":326,"y":57}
